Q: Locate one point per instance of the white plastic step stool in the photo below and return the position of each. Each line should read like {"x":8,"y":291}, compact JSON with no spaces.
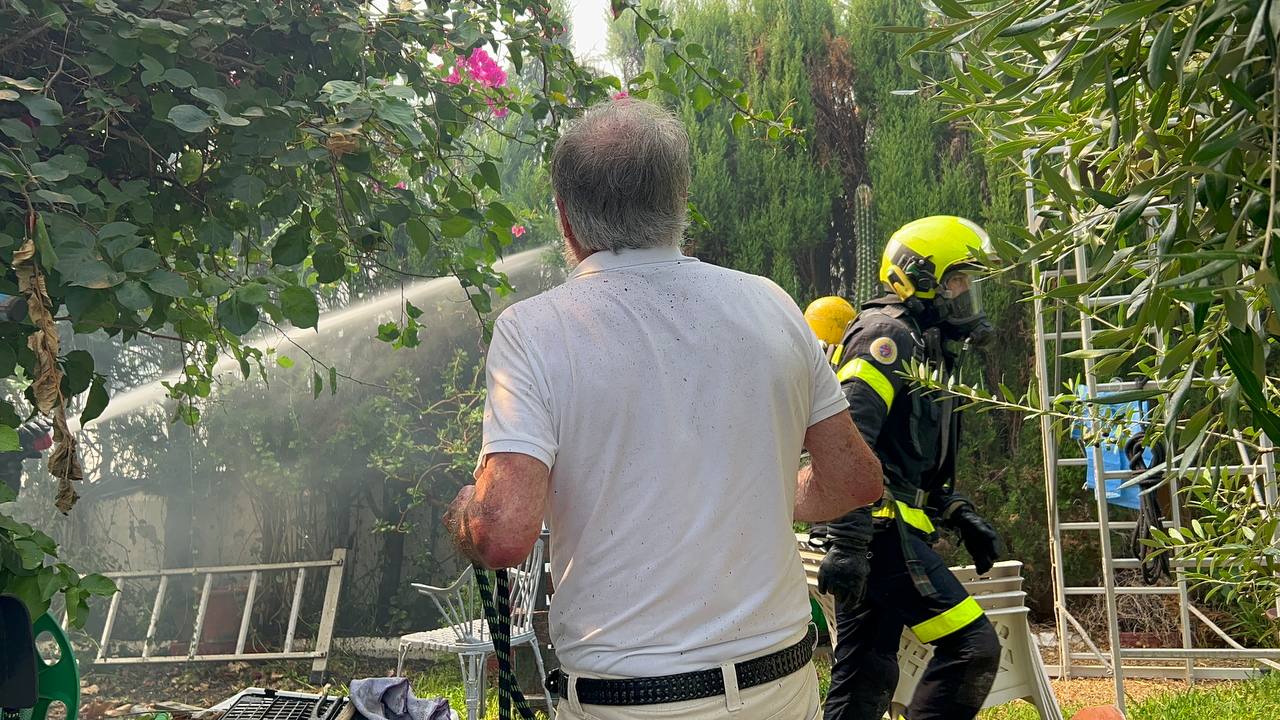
{"x":1021,"y":675}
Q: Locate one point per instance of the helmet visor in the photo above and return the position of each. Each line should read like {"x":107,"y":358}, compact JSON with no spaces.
{"x":960,"y":295}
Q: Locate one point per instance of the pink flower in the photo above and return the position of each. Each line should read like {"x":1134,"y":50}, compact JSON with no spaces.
{"x":454,"y":78}
{"x":621,"y":95}
{"x":402,"y":185}
{"x":484,"y":70}
{"x":517,"y":230}
{"x":499,"y":111}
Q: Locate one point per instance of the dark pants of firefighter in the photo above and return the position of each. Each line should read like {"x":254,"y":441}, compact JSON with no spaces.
{"x":864,"y":672}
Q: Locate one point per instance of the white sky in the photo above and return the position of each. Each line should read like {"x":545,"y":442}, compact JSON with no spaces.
{"x":589,"y":18}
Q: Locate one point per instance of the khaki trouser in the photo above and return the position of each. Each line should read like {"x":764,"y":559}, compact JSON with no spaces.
{"x":794,"y":697}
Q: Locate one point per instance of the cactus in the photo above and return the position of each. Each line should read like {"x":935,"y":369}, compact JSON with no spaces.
{"x":865,"y":265}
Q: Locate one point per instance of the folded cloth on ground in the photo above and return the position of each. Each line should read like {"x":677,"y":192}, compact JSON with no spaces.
{"x":391,"y":698}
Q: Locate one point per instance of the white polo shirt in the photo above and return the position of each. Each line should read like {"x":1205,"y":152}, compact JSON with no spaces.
{"x":670,"y":399}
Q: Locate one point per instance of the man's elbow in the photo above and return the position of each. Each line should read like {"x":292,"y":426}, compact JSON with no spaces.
{"x":496,"y":547}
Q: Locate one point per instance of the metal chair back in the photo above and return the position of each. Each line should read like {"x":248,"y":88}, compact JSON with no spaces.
{"x":460,"y":607}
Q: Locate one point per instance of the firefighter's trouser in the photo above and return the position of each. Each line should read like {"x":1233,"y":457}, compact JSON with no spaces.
{"x":864,"y":672}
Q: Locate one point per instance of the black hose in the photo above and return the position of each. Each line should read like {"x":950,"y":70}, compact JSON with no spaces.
{"x":1154,"y":564}
{"x":497,"y":612}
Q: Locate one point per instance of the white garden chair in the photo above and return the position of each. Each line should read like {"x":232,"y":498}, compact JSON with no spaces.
{"x":1021,"y":675}
{"x":467,"y":634}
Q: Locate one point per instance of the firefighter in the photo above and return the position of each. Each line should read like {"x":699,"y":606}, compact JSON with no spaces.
{"x":931,"y":313}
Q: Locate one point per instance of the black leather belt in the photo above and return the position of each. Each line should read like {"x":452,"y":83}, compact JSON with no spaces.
{"x":690,"y":685}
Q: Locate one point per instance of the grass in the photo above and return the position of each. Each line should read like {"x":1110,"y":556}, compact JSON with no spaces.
{"x":1252,"y":700}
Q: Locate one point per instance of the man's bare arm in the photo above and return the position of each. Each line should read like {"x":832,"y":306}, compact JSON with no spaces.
{"x":497,"y":521}
{"x":844,"y":473}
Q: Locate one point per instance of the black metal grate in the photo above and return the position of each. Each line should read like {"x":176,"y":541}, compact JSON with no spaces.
{"x":272,"y":705}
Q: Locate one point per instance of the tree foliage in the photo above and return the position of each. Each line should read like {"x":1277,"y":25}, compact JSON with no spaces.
{"x":1151,"y":129}
{"x":196,"y":172}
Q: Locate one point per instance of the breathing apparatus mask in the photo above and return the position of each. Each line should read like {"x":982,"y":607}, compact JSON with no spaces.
{"x":958,"y":305}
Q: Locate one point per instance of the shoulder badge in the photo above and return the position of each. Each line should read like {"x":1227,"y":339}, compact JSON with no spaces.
{"x":884,"y":350}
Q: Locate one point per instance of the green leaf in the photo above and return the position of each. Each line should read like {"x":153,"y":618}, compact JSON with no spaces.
{"x":328,"y":263}
{"x":30,"y":84}
{"x":642,"y":30}
{"x":48,"y":172}
{"x":455,"y":226}
{"x":1213,"y":150}
{"x":214,"y":97}
{"x":139,"y":260}
{"x":738,"y":122}
{"x":299,"y":305}
{"x":952,"y":8}
{"x":490,"y":174}
{"x":82,"y":268}
{"x":165,"y":282}
{"x":1127,"y":13}
{"x":317,"y":385}
{"x":55,"y":198}
{"x":1092,"y":354}
{"x":96,"y":584}
{"x":116,"y":229}
{"x":16,"y":129}
{"x":1158,"y":57}
{"x":341,"y":91}
{"x":9,"y":439}
{"x":133,"y":296}
{"x":48,"y":258}
{"x":500,"y":214}
{"x":667,"y":84}
{"x":1131,"y":212}
{"x":190,"y":118}
{"x":237,"y":317}
{"x":388,"y":332}
{"x":1029,"y":26}
{"x":179,"y":78}
{"x":284,"y":361}
{"x":1239,"y":347}
{"x":300,"y":156}
{"x":249,"y":190}
{"x":421,"y":236}
{"x":96,"y":401}
{"x":701,"y":97}
{"x":292,"y":246}
{"x":253,"y":293}
{"x":190,"y":167}
{"x":47,"y":111}
{"x":411,"y":310}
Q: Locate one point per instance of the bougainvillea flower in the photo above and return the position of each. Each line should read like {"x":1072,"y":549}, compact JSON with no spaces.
{"x":484,"y":70}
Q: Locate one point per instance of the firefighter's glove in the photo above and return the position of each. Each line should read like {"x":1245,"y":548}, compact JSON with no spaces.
{"x":845,"y":569}
{"x":980,"y":539}
{"x":844,"y":572}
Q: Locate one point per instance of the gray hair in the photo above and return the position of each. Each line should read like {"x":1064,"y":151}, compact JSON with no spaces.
{"x":621,"y":173}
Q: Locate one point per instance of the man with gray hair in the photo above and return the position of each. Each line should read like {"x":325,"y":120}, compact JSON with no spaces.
{"x":653,"y":410}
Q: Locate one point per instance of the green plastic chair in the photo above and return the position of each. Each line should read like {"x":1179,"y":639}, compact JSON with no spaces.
{"x":59,"y":682}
